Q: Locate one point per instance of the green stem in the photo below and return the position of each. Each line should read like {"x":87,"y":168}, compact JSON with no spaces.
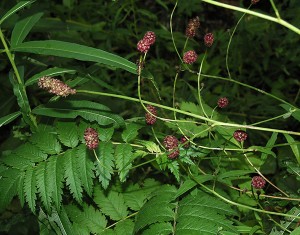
{"x":250,"y":87}
{"x":199,"y":84}
{"x":229,"y":43}
{"x":215,"y":123}
{"x":171,"y":29}
{"x":10,"y":57}
{"x":238,"y":204}
{"x":275,"y":9}
{"x":263,"y":16}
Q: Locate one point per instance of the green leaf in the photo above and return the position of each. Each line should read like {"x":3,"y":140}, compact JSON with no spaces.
{"x":105,"y":133}
{"x":130,"y":132}
{"x":293,"y":168}
{"x":125,"y":227}
{"x":159,"y":228}
{"x":151,"y":146}
{"x":157,"y":209}
{"x":124,"y":157}
{"x":30,"y":152}
{"x":9,"y":118}
{"x":16,"y":161}
{"x":112,"y":205}
{"x":135,"y":196}
{"x":63,"y":222}
{"x":174,"y":168}
{"x":104,"y":163}
{"x":43,"y":181}
{"x":52,"y":72}
{"x":23,"y":27}
{"x":293,"y":146}
{"x":29,"y":188}
{"x":9,"y":182}
{"x":269,"y":145}
{"x":75,"y":51}
{"x":88,"y":217}
{"x":20,"y":93}
{"x":15,"y":9}
{"x":55,"y":175}
{"x":86,"y":168}
{"x":291,"y":111}
{"x":46,"y":142}
{"x":72,"y":174}
{"x":189,"y":184}
{"x":202,"y":214}
{"x":86,"y":109}
{"x":67,"y":133}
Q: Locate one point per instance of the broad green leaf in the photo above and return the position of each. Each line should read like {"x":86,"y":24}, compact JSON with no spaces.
{"x":67,"y":133}
{"x":47,"y":142}
{"x":234,"y":173}
{"x":55,"y":175}
{"x":112,"y":205}
{"x":105,"y":133}
{"x":86,"y":109}
{"x":23,"y":27}
{"x":104,"y":164}
{"x":293,"y":146}
{"x":9,"y":118}
{"x":42,"y":184}
{"x":293,"y":168}
{"x":159,"y":228}
{"x":9,"y":182}
{"x":75,"y":51}
{"x":151,"y":146}
{"x":63,"y":222}
{"x":124,"y":157}
{"x":30,"y":152}
{"x":135,"y":195}
{"x":52,"y":72}
{"x":88,"y":217}
{"x":86,"y":168}
{"x":189,"y":184}
{"x":72,"y":174}
{"x":202,"y":214}
{"x":15,"y":9}
{"x":16,"y":161}
{"x":131,"y":132}
{"x":29,"y":188}
{"x":125,"y":227}
{"x":158,"y":209}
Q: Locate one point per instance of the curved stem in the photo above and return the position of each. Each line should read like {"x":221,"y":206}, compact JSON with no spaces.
{"x":263,"y":16}
{"x":215,"y":123}
{"x":171,"y":29}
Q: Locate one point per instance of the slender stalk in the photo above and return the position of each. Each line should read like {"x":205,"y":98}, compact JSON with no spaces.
{"x":238,"y":204}
{"x":10,"y":57}
{"x":215,"y":123}
{"x":263,"y":16}
{"x":171,"y":29}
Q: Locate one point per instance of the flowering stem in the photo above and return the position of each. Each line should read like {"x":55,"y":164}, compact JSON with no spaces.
{"x":214,"y":123}
{"x":238,"y":204}
{"x":263,"y":16}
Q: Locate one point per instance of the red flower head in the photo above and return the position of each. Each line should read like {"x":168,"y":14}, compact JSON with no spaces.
{"x":91,"y":138}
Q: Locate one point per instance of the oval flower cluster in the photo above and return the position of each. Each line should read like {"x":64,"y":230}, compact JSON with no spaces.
{"x":171,"y":144}
{"x":91,"y":138}
{"x":55,"y":86}
{"x":144,"y":44}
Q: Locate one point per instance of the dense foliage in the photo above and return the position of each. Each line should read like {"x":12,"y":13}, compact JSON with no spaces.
{"x":150,"y":117}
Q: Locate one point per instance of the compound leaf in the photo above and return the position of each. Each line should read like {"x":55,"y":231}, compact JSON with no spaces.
{"x":72,"y":174}
{"x":123,"y":155}
{"x":112,"y":205}
{"x":104,"y":163}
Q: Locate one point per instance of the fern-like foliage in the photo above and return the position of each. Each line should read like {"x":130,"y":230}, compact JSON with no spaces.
{"x":124,"y":157}
{"x":197,"y":213}
{"x":67,"y":133}
{"x":112,"y":205}
{"x":72,"y":174}
{"x":104,"y":163}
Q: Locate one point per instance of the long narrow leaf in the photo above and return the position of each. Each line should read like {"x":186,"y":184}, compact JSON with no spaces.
{"x":23,"y":27}
{"x":9,"y":118}
{"x":293,"y":146}
{"x":88,"y":110}
{"x":49,"y":72}
{"x":16,"y":8}
{"x":75,"y":51}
